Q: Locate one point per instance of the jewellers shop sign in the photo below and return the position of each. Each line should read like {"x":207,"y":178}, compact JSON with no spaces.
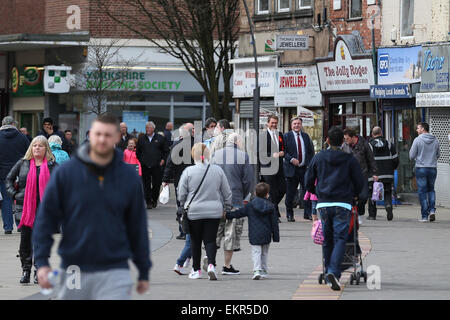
{"x":292,"y":42}
{"x":345,"y":73}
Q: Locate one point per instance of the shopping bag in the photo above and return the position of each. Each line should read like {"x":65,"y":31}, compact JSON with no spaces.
{"x":316,"y":232}
{"x":378,"y":191}
{"x":164,"y":195}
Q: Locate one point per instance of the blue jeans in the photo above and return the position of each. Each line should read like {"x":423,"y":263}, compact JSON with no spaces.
{"x":335,"y":224}
{"x":7,"y":214}
{"x":426,"y":177}
{"x":186,"y":252}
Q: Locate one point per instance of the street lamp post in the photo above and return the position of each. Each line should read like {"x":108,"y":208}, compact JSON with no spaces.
{"x":256,"y":92}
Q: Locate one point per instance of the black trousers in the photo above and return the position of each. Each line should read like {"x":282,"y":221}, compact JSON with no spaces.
{"x":26,"y":248}
{"x":277,"y":185}
{"x":203,"y":230}
{"x":362,"y":199}
{"x":387,"y":199}
{"x":291,"y":189}
{"x":152,"y":180}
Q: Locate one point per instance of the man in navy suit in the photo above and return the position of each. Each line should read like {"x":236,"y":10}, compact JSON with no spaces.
{"x":299,"y":151}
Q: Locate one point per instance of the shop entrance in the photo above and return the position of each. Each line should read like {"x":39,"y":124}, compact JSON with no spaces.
{"x":359,"y":116}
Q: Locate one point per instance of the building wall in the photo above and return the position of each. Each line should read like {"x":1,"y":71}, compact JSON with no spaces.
{"x":22,"y":16}
{"x":59,"y":12}
{"x":342,"y":24}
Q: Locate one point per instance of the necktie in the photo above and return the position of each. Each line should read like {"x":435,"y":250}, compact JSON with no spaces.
{"x":300,"y":157}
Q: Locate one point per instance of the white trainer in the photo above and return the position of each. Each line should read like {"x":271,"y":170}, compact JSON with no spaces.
{"x":212,"y":272}
{"x":256,"y":275}
{"x":195,"y":274}
{"x":423,"y":220}
{"x":180,"y":270}
{"x":187,"y":263}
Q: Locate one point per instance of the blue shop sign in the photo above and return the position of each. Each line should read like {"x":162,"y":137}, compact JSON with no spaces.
{"x":435,"y":70}
{"x":399,"y":65}
{"x":400,"y":91}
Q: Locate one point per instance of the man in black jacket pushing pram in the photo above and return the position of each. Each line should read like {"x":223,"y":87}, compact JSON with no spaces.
{"x":339,"y":181}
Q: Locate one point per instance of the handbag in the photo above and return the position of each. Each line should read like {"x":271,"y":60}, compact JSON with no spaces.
{"x":17,"y":211}
{"x":317,"y":233}
{"x":378,"y":191}
{"x":184,"y":216}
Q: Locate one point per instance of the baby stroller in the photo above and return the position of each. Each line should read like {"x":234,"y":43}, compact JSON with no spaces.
{"x":352,"y":254}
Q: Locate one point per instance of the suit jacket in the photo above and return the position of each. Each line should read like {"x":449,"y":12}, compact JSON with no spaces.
{"x":271,"y":149}
{"x":149,"y":153}
{"x":291,"y":152}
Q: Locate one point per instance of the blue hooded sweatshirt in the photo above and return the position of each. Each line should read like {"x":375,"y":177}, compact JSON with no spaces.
{"x":102,"y":214}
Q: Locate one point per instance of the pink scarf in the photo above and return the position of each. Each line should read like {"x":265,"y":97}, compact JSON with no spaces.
{"x":29,"y":205}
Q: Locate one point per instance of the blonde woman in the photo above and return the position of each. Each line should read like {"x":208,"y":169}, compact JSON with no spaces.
{"x":205,"y":208}
{"x":32,"y":173}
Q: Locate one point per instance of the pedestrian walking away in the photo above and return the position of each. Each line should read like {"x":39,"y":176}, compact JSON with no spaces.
{"x":32,"y":174}
{"x":204,"y":191}
{"x":60,"y":155}
{"x":262,"y":228}
{"x":339,"y":181}
{"x":13,"y":145}
{"x":386,"y":159}
{"x":98,"y":200}
{"x":299,"y":151}
{"x":425,"y":151}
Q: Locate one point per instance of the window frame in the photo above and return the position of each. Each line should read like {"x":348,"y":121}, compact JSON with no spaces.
{"x":401,"y":21}
{"x":261,"y":12}
{"x":302,"y":7}
{"x":350,"y":2}
{"x":283,"y":10}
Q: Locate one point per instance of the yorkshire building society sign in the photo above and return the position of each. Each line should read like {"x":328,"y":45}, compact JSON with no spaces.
{"x":292,"y":42}
{"x":345,"y":73}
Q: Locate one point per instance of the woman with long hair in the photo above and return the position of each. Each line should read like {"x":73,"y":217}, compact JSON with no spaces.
{"x":32,"y":174}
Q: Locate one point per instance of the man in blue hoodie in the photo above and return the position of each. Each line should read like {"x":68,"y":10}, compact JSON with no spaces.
{"x":339,"y":182}
{"x":425,"y":151}
{"x":99,"y":203}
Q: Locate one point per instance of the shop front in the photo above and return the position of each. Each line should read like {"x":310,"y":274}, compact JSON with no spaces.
{"x":345,"y":81}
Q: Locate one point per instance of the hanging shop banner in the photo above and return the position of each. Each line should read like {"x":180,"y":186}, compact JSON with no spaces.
{"x":135,"y":121}
{"x":297,"y":86}
{"x":435,"y":69}
{"x":307,"y":116}
{"x":27,"y":81}
{"x":345,"y":73}
{"x":399,"y":65}
{"x":399,"y":91}
{"x":244,"y":79}
{"x":292,"y":42}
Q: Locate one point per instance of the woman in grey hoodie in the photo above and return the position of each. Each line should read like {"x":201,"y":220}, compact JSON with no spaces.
{"x":206,"y":209}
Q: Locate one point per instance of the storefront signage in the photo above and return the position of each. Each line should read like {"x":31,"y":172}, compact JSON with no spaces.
{"x":135,"y":121}
{"x":297,"y":86}
{"x":27,"y":81}
{"x":292,"y":42}
{"x":399,"y":65}
{"x":435,"y":69}
{"x":345,"y":73}
{"x":438,"y":99}
{"x":57,"y":79}
{"x":400,"y":91}
{"x":307,"y":116}
{"x":244,"y":79}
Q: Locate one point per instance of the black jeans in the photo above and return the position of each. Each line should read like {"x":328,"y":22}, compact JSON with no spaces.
{"x":387,"y":199}
{"x":203,"y":230}
{"x":362,"y":199}
{"x":152,"y":180}
{"x":291,"y":189}
{"x":26,"y":248}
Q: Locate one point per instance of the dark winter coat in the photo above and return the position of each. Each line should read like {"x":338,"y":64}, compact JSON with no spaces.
{"x":21,"y":169}
{"x":363,"y":153}
{"x":262,"y":221}
{"x":386,"y":158}
{"x":151,"y":153}
{"x":13,"y":145}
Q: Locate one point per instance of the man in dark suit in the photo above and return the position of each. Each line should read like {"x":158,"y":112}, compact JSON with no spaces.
{"x":272,"y":167}
{"x":151,"y":151}
{"x":299,"y":151}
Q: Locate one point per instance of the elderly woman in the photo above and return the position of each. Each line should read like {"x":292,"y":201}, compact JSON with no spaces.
{"x":206,"y":208}
{"x":32,"y":173}
{"x":55,"y":143}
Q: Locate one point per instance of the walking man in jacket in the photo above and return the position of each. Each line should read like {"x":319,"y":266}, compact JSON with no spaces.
{"x":13,"y":145}
{"x":152,"y":151}
{"x":339,"y":182}
{"x":386,"y":159}
{"x":425,"y":151}
{"x":98,"y":201}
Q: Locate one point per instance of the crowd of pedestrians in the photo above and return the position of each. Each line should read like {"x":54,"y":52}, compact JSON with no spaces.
{"x":98,"y":195}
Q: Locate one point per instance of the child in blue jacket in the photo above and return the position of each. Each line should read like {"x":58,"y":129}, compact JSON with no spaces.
{"x":262,"y":227}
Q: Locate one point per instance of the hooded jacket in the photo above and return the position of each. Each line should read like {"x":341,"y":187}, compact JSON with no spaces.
{"x":386,"y":158}
{"x":102,"y":213}
{"x":13,"y":145}
{"x":339,"y":176}
{"x":425,"y":151}
{"x":262,"y":221}
{"x":60,"y":155}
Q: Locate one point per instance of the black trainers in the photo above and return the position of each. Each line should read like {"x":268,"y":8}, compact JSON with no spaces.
{"x":390,"y":214}
{"x":333,"y":282}
{"x":230,"y":270}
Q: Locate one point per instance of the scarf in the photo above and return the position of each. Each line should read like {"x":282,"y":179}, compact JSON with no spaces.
{"x":29,"y":204}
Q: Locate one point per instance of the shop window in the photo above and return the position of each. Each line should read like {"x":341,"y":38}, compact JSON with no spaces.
{"x":349,"y":108}
{"x":407,"y":18}
{"x":305,"y":4}
{"x":262,"y":6}
{"x":355,"y":8}
{"x":283,"y":5}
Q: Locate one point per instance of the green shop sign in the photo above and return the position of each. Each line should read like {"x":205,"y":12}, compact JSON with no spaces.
{"x":27,"y":81}
{"x":128,"y":81}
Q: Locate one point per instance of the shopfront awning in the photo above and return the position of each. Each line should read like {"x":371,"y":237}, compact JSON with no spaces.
{"x":24,"y":41}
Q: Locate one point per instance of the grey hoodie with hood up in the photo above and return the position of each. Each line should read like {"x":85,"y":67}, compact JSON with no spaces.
{"x":425,"y":151}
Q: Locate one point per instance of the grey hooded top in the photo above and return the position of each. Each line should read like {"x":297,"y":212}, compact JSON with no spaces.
{"x":425,"y":151}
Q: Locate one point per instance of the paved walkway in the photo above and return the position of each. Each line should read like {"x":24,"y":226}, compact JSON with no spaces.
{"x":413,"y":258}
